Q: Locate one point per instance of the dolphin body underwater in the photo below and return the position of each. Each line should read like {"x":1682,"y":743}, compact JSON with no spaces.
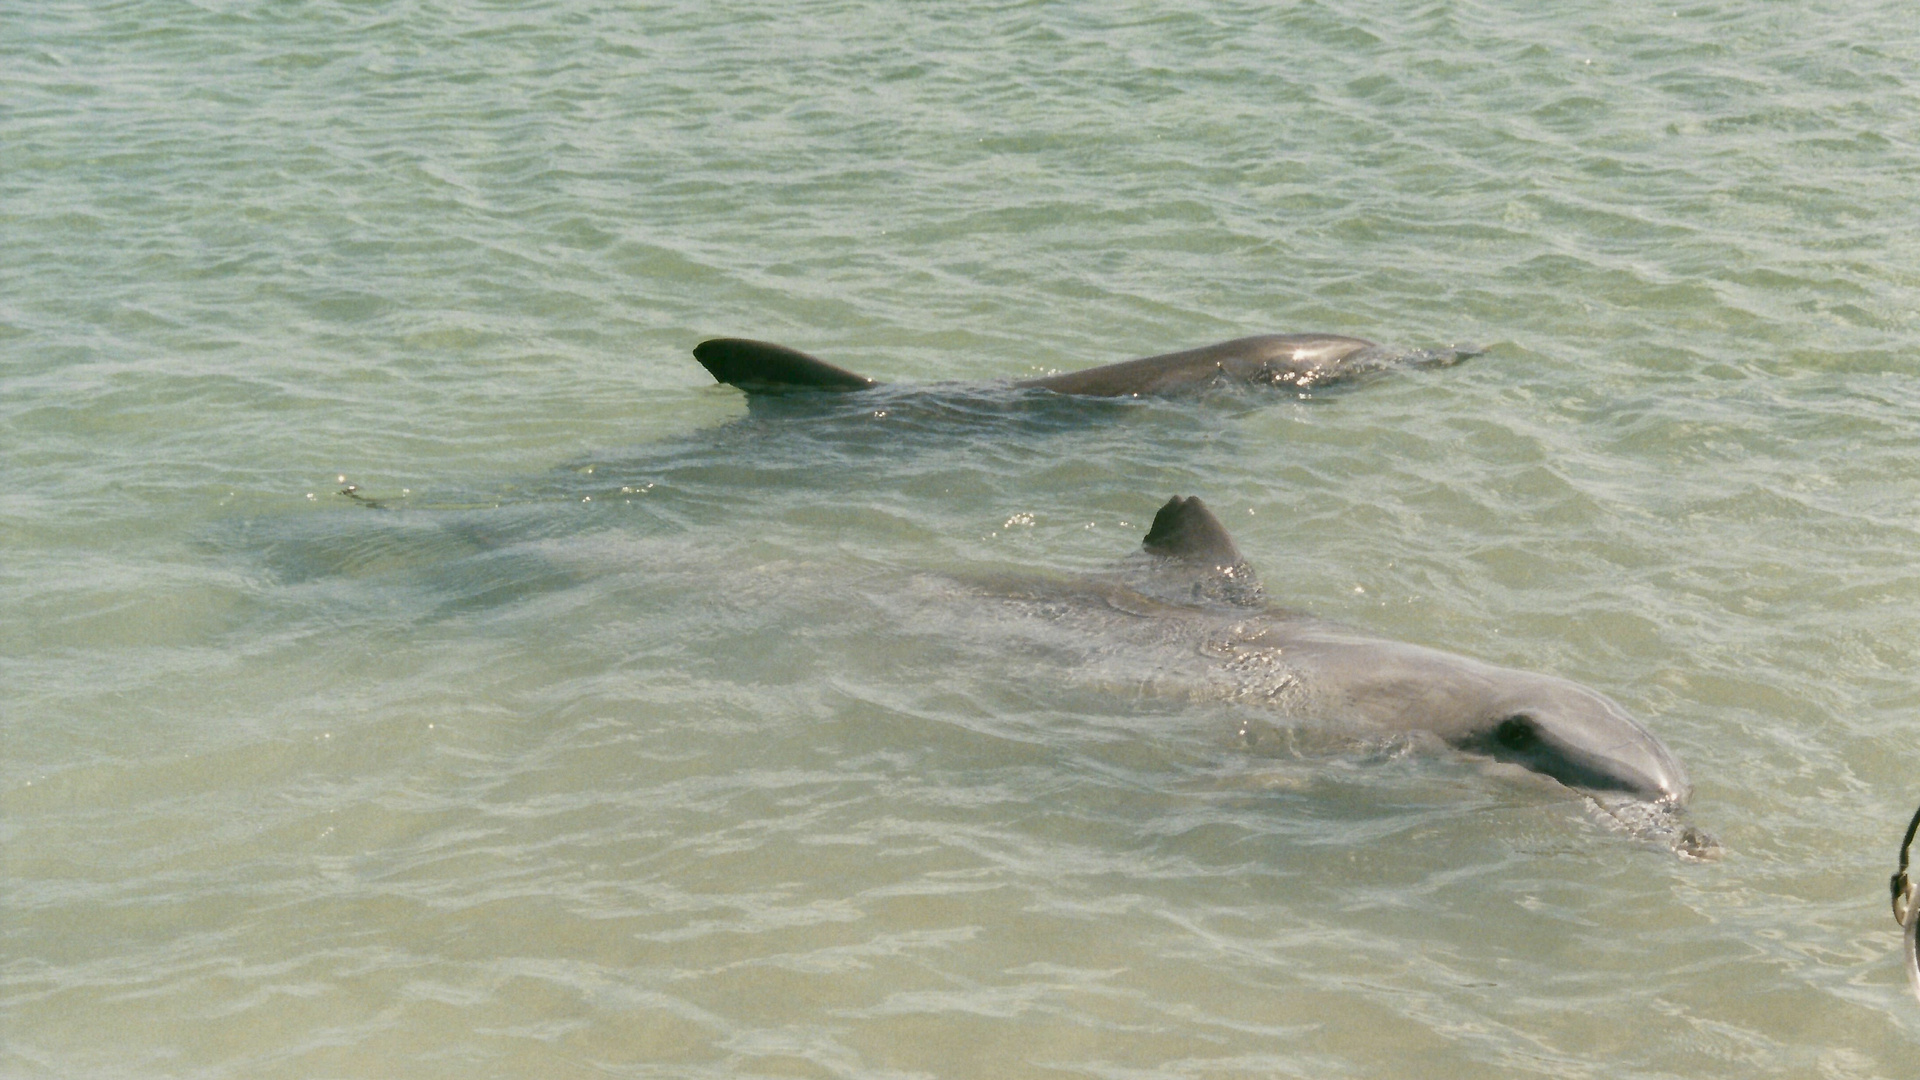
{"x":1204,"y":596}
{"x":1297,"y":361}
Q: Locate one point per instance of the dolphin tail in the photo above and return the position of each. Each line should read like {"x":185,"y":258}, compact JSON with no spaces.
{"x":760,"y":366}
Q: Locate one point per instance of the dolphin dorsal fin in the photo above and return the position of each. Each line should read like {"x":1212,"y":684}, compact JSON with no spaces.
{"x":762,"y":365}
{"x":1186,"y":530}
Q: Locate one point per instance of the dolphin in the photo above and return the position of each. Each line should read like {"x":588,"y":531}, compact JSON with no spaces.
{"x":1551,"y":725}
{"x":1309,"y":669}
{"x":1296,"y":361}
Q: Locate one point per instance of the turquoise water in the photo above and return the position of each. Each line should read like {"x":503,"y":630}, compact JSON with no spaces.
{"x":637,"y":735}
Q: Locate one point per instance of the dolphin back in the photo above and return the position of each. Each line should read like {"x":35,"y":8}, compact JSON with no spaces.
{"x":1297,"y":360}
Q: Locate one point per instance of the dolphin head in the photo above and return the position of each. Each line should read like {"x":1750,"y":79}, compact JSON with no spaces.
{"x":1580,"y":738}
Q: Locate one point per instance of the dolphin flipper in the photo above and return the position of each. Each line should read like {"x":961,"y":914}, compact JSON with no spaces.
{"x":763,"y":366}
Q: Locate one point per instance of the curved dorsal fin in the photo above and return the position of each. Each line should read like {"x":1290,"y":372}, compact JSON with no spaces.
{"x":1186,"y":529}
{"x":762,"y":365}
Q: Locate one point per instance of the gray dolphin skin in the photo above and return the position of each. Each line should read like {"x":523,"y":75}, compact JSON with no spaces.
{"x":1310,"y":668}
{"x":1298,"y":361}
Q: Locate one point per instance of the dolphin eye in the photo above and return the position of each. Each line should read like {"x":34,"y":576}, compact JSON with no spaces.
{"x":1516,"y":733}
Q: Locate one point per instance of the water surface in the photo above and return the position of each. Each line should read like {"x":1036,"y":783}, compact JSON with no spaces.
{"x":626,"y":740}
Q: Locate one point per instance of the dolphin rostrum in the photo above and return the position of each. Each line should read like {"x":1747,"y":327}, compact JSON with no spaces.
{"x":1297,"y":361}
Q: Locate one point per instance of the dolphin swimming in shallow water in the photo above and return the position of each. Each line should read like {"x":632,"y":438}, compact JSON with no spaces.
{"x":1551,"y":725}
{"x":1309,"y":669}
{"x":1297,"y":361}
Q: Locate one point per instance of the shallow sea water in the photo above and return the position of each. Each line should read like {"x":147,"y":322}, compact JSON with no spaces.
{"x":636,"y":734}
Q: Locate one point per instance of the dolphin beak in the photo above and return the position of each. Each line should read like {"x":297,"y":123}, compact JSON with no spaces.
{"x":1650,"y":769}
{"x":1614,"y":750}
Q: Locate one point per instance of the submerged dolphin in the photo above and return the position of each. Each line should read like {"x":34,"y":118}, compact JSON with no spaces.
{"x":1309,"y":669}
{"x":1299,"y":361}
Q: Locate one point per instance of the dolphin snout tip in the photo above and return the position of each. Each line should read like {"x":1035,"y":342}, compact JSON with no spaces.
{"x":1648,"y":767}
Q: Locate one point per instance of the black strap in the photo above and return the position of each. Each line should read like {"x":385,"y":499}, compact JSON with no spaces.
{"x":1899,"y":881}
